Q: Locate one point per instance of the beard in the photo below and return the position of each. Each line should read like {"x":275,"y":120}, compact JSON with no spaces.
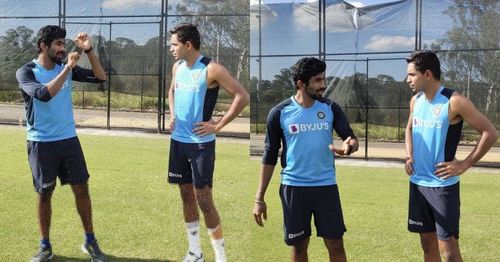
{"x":57,"y":57}
{"x":314,"y":94}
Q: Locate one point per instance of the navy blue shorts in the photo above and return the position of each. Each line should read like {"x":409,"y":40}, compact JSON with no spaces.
{"x":191,"y":163}
{"x":63,"y":159}
{"x":301,"y":203}
{"x":434,"y":209}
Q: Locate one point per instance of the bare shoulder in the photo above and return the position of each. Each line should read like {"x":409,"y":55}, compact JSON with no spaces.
{"x":459,"y":101}
{"x":215,"y":68}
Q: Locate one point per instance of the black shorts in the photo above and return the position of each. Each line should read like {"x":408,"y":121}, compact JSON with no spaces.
{"x":63,"y":159}
{"x":191,"y":162}
{"x":301,"y":203}
{"x":434,"y":209}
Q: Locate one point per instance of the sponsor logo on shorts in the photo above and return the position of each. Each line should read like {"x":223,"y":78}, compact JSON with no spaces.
{"x":170,"y":174}
{"x":416,"y":223}
{"x":290,"y":236}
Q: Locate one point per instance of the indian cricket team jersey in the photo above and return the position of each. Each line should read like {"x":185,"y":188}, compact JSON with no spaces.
{"x":49,"y":118}
{"x":306,"y":134}
{"x":434,"y":139}
{"x":193,"y":101}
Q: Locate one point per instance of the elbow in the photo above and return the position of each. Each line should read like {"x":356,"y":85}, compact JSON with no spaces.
{"x":245,"y":99}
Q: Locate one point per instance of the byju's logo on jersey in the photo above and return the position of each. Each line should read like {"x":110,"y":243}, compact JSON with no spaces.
{"x":419,"y":122}
{"x":321,"y":115}
{"x":293,"y":129}
{"x":299,"y":128}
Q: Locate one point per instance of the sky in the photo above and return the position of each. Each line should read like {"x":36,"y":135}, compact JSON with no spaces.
{"x":291,"y":27}
{"x":288,"y":26}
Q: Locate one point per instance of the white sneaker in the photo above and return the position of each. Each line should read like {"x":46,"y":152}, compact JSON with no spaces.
{"x":191,"y":257}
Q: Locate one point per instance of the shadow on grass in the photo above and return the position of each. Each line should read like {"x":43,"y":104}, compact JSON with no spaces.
{"x":109,"y":258}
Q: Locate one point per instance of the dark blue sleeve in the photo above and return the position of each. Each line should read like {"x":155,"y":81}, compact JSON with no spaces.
{"x":81,"y":74}
{"x":340,"y":123}
{"x":273,"y":137}
{"x":29,"y":84}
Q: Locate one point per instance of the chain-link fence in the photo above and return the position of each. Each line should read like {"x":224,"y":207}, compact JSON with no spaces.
{"x":132,"y":41}
{"x":365,"y":46}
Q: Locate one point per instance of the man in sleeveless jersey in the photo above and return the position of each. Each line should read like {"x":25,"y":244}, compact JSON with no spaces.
{"x":192,"y":97}
{"x":303,"y":124}
{"x":432,"y":136}
{"x":53,"y":146}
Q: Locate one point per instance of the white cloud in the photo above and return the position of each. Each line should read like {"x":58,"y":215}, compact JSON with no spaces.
{"x":268,"y":2}
{"x":127,"y":4}
{"x":267,"y":16}
{"x":338,"y":19}
{"x":365,"y":3}
{"x":390,"y":43}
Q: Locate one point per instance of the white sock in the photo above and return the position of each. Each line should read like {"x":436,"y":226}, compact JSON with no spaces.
{"x":193,"y":235}
{"x":218,"y":245}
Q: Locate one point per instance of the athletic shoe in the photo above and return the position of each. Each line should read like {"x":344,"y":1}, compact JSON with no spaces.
{"x":43,"y":255}
{"x":94,"y":251}
{"x":191,"y":257}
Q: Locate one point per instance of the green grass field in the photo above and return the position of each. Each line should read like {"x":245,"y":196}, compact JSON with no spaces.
{"x":137,"y":215}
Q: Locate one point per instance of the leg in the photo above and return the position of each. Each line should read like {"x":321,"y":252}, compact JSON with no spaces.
{"x":189,"y":204}
{"x":450,"y":250}
{"x":83,"y":205}
{"x":430,"y":247}
{"x":207,"y":206}
{"x":212,"y":221}
{"x":336,"y":249}
{"x":299,"y":251}
{"x":329,"y":220}
{"x":44,"y":213}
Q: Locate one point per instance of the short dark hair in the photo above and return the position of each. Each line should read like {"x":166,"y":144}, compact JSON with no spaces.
{"x":48,"y":34}
{"x":306,"y":68}
{"x":187,"y":32}
{"x":426,"y":60}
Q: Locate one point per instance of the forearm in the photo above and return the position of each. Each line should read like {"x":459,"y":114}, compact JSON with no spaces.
{"x":265,"y":177}
{"x":57,"y":83}
{"x":239,"y":103}
{"x":488,"y":138}
{"x":408,"y":143}
{"x":171,"y":103}
{"x":97,"y":68}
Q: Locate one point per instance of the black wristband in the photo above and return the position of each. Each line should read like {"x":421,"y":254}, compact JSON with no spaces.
{"x":88,"y":50}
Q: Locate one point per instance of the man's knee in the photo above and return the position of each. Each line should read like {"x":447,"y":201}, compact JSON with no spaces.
{"x":45,"y":197}
{"x":81,"y":191}
{"x":449,"y":249}
{"x":335,"y":245}
{"x":204,"y":198}
{"x":301,"y":247}
{"x":187,"y":194}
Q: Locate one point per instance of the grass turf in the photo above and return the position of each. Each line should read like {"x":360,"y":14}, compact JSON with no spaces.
{"x":137,"y":215}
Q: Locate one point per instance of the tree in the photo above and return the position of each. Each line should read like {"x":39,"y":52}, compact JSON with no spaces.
{"x":17,"y":47}
{"x":225,"y":39}
{"x":475,"y":27}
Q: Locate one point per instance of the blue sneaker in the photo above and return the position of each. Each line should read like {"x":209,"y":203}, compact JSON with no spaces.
{"x":94,"y":251}
{"x":43,"y":255}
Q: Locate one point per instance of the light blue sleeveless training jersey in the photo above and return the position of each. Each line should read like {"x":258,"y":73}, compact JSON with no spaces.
{"x":193,"y":101}
{"x":434,"y":139}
